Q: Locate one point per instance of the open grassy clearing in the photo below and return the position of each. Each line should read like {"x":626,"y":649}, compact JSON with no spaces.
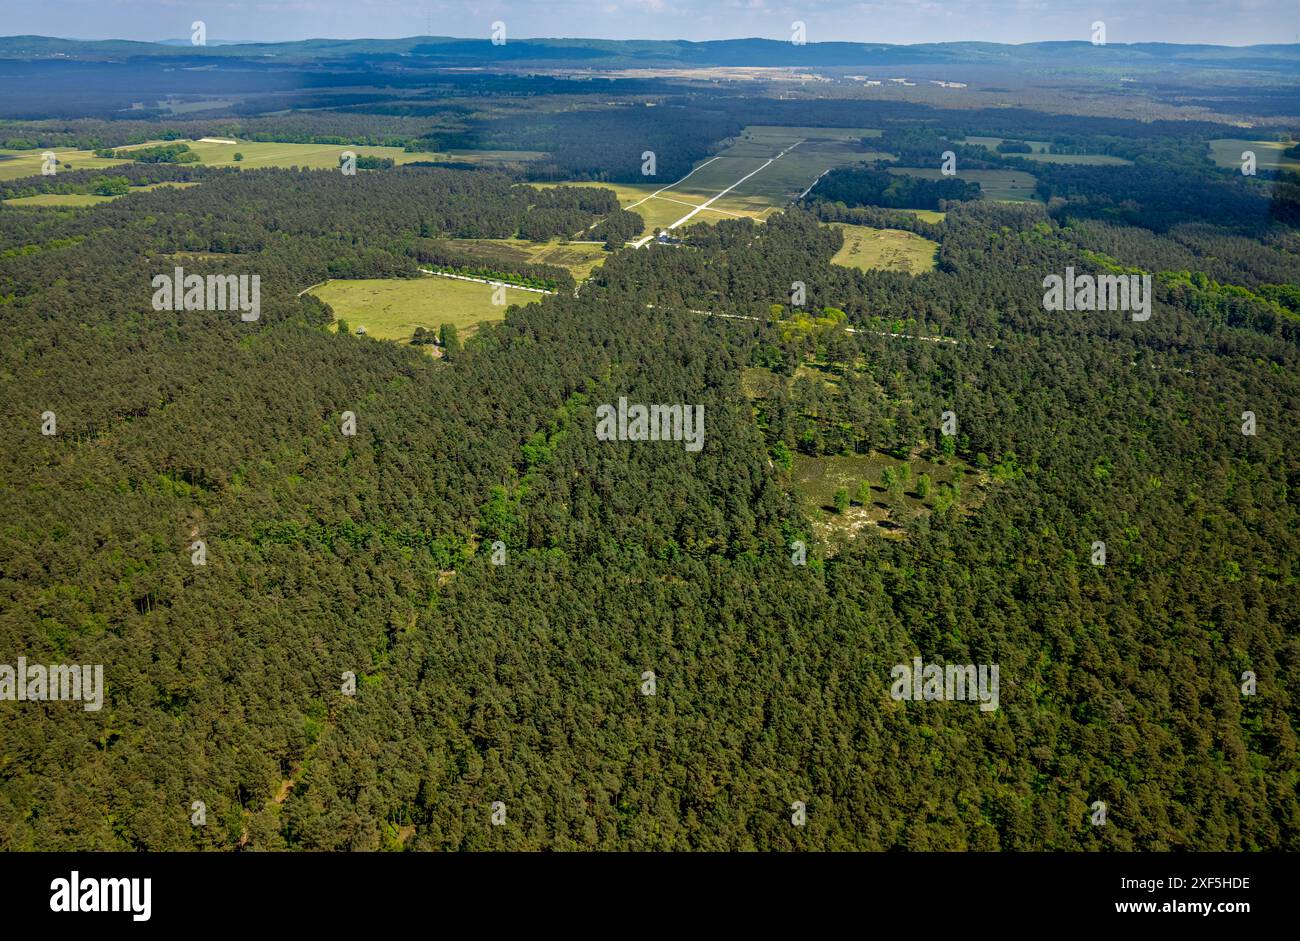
{"x":1268,"y":154}
{"x":867,"y":248}
{"x":896,"y":495}
{"x":667,"y":208}
{"x":176,"y":106}
{"x":816,"y":480}
{"x":713,"y":176}
{"x":85,"y":199}
{"x":391,"y":308}
{"x":326,"y":156}
{"x":786,"y":179}
{"x":1006,"y":185}
{"x":487,"y":157}
{"x":927,"y":215}
{"x":315,"y":156}
{"x":737,"y":204}
{"x":806,"y":153}
{"x":19,"y":163}
{"x":758,"y":382}
{"x":764,"y":140}
{"x":61,"y":200}
{"x":1042,"y":156}
{"x":662,"y":210}
{"x":1100,"y":160}
{"x":991,"y":144}
{"x":579,"y":258}
{"x":165,"y":184}
{"x":786,"y":132}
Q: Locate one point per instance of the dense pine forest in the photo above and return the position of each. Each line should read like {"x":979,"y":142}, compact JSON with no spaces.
{"x":498,"y":582}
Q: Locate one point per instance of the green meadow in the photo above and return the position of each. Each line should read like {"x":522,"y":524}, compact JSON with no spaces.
{"x":391,"y":308}
{"x":866,"y":248}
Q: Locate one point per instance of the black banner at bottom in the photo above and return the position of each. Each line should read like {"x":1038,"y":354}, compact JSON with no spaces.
{"x":603,"y":891}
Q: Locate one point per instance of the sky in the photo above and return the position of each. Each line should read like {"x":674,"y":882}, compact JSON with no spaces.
{"x":1227,"y":22}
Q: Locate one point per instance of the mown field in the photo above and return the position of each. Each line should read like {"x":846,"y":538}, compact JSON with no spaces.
{"x":1095,"y":159}
{"x":1268,"y":154}
{"x":1006,"y":185}
{"x":313,"y":156}
{"x":326,"y":156}
{"x":866,"y":248}
{"x":60,"y":200}
{"x":711,"y":177}
{"x":927,"y":215}
{"x":64,"y":200}
{"x":391,"y":308}
{"x":786,"y":132}
{"x":1041,"y":155}
{"x":176,"y":106}
{"x":786,"y":179}
{"x":991,"y":143}
{"x":19,"y":163}
{"x":806,"y":153}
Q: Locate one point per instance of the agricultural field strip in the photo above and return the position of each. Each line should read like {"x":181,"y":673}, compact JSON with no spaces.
{"x":682,"y":202}
{"x":653,"y":195}
{"x":671,"y":185}
{"x":714,"y":199}
{"x":642,"y":241}
{"x":443,"y":274}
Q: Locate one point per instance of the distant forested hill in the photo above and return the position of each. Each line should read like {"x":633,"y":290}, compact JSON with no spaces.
{"x":607,"y":53}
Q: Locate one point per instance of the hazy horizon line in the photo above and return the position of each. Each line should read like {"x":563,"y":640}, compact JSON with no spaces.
{"x":837,"y":42}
